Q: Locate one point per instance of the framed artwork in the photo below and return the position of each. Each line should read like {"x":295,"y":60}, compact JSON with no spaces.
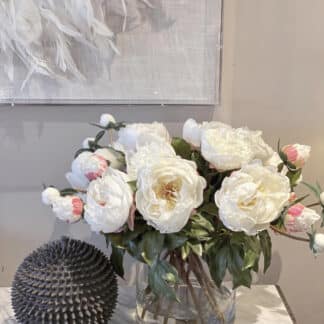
{"x":110,"y":51}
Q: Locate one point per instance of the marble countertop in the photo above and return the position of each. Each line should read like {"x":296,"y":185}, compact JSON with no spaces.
{"x":262,"y":304}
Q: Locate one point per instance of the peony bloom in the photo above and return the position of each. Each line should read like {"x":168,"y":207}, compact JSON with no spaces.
{"x":300,"y":218}
{"x":322,"y":198}
{"x":49,"y":195}
{"x":228,"y":149}
{"x":85,"y":143}
{"x":108,"y":203}
{"x":167,"y":193}
{"x":114,"y":158}
{"x":146,"y":155}
{"x":297,"y":154}
{"x":68,"y":208}
{"x":192,"y":131}
{"x":251,"y":198}
{"x":105,"y":119}
{"x":319,"y":242}
{"x":86,"y":167}
{"x":128,"y":136}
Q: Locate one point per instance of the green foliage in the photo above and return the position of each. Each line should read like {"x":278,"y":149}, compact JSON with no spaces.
{"x":174,"y":241}
{"x":113,"y":126}
{"x":162,"y":277}
{"x":152,"y":244}
{"x":181,"y":147}
{"x":116,"y":258}
{"x":266,"y":246}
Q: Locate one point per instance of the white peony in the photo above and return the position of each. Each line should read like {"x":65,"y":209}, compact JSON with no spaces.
{"x":252,"y":198}
{"x":322,"y":198}
{"x":167,"y":193}
{"x":146,"y":155}
{"x":85,"y":168}
{"x":108,"y":203}
{"x":229,"y":149}
{"x":297,"y":154}
{"x":68,"y":208}
{"x":49,"y":195}
{"x":300,"y":218}
{"x":105,"y":119}
{"x":128,"y":136}
{"x":319,"y":242}
{"x":114,"y":158}
{"x":192,"y":130}
{"x":85,"y":143}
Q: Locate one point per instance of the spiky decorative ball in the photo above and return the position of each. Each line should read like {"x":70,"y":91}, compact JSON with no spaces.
{"x":66,"y":281}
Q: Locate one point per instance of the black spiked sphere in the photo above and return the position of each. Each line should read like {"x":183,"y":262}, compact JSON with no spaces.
{"x":66,"y":281}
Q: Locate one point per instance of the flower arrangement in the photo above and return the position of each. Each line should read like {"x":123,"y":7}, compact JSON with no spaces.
{"x":170,"y":203}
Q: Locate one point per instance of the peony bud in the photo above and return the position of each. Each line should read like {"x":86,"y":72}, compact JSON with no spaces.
{"x":114,"y":158}
{"x":322,"y":198}
{"x":192,"y":132}
{"x":319,"y":242}
{"x":68,"y":208}
{"x":49,"y":195}
{"x":105,"y":119}
{"x":85,"y":143}
{"x":297,"y":154}
{"x":300,"y":218}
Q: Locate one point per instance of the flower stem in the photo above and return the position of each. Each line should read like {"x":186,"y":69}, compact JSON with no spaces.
{"x":293,"y":237}
{"x":314,"y":205}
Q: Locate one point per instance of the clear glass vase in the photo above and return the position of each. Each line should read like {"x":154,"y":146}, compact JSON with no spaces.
{"x":198,"y":305}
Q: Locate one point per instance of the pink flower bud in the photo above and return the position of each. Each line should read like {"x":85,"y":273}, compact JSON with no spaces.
{"x":297,"y":154}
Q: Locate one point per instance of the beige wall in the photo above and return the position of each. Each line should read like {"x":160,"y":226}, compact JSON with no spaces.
{"x":273,"y":80}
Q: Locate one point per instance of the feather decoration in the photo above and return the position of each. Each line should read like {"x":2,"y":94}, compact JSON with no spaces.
{"x":42,"y":34}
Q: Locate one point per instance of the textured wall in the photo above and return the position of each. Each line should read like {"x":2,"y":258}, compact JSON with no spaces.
{"x":273,"y":80}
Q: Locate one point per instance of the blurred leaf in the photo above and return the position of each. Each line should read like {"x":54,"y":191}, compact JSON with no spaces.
{"x":152,"y":246}
{"x":133,"y":185}
{"x":201,"y":222}
{"x":68,"y":192}
{"x":294,"y":176}
{"x":266,"y":247}
{"x":161,"y":275}
{"x":196,"y":248}
{"x":181,"y":147}
{"x":99,"y":136}
{"x":314,"y":189}
{"x":78,"y":152}
{"x":209,"y":208}
{"x":185,"y":251}
{"x":217,"y":262}
{"x":174,"y":241}
{"x":116,"y":258}
{"x":115,"y":126}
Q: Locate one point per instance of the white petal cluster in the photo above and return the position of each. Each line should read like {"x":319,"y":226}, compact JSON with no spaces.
{"x":300,"y":218}
{"x":108,"y":203}
{"x":192,"y":130}
{"x":105,"y":119}
{"x":68,"y":209}
{"x":146,"y":155}
{"x":167,"y":193}
{"x":319,"y":242}
{"x":86,"y":167}
{"x":128,"y":136}
{"x":252,"y":198}
{"x":229,"y":149}
{"x":49,"y":195}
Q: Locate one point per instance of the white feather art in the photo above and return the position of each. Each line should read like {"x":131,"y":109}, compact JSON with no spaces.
{"x":45,"y":35}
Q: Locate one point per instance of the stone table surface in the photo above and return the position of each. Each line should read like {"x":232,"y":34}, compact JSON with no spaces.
{"x":262,"y":304}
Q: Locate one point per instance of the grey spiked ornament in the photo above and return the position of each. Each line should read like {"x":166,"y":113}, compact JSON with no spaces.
{"x":65,"y":281}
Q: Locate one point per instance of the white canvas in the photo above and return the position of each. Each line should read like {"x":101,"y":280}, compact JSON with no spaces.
{"x":169,"y":53}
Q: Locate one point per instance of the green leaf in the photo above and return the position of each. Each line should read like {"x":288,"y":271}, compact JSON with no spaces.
{"x":266,"y":247}
{"x":115,"y":126}
{"x":116,"y":239}
{"x":68,"y":192}
{"x":199,"y":234}
{"x":294,"y":176}
{"x":196,"y":248}
{"x":314,"y":189}
{"x":201,"y":222}
{"x":202,"y":164}
{"x":217,"y":262}
{"x":116,"y":258}
{"x":152,"y":246}
{"x":78,"y":152}
{"x":185,"y":251}
{"x":209,"y":208}
{"x":235,"y":266}
{"x":99,"y":136}
{"x":252,"y":250}
{"x":181,"y":147}
{"x":161,"y":275}
{"x":133,"y":185}
{"x":174,"y":241}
